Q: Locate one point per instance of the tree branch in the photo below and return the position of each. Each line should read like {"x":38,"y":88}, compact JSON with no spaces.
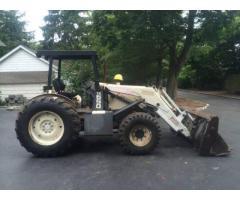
{"x":188,"y":41}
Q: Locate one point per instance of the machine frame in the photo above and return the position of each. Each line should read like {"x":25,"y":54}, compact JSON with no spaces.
{"x":131,"y":111}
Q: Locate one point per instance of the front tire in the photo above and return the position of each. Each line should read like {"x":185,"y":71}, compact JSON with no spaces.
{"x":47,"y":127}
{"x":139,"y":133}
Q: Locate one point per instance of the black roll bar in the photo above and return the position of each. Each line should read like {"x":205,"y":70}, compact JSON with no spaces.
{"x":69,"y":55}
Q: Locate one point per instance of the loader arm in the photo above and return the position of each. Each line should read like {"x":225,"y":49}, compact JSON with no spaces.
{"x":165,"y":107}
{"x":200,"y":129}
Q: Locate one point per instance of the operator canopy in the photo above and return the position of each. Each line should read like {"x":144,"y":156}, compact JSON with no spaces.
{"x":71,"y":54}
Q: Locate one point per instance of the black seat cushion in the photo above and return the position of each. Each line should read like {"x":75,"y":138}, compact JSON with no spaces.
{"x":59,"y":88}
{"x":58,"y":85}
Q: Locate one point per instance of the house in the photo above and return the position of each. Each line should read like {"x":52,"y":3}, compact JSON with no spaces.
{"x":21,"y":72}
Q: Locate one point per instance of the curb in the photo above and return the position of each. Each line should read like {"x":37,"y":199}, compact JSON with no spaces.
{"x":217,"y":95}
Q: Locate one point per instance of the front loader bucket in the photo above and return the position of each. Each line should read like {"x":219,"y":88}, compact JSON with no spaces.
{"x":206,"y":138}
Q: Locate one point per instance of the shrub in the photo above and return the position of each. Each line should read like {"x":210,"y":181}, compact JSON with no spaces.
{"x":186,"y":77}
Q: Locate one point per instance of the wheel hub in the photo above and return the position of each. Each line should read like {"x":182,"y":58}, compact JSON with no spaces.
{"x":140,"y":136}
{"x":46,"y":128}
{"x":139,"y":133}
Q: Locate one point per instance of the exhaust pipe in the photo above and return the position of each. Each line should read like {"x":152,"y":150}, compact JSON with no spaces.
{"x":206,"y":138}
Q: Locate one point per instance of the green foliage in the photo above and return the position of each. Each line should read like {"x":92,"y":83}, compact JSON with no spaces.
{"x":146,"y":45}
{"x":232,"y":83}
{"x":69,"y":30}
{"x":216,"y":50}
{"x":12,"y":30}
{"x":187,"y":77}
{"x":136,"y":41}
{"x":77,"y":73}
{"x":142,"y":45}
{"x":66,"y":29}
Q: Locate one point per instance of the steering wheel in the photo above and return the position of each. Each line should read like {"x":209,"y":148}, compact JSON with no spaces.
{"x":87,"y":91}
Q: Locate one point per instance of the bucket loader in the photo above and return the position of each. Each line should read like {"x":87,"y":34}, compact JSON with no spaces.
{"x":50,"y":123}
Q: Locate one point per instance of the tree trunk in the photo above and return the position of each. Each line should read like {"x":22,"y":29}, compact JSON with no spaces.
{"x":176,"y":61}
{"x":172,"y":83}
{"x":159,"y":74}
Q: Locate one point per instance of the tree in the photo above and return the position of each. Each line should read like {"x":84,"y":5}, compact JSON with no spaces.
{"x":12,"y":30}
{"x":66,"y":29}
{"x":133,"y":42}
{"x":142,"y":38}
{"x":215,"y":52}
{"x":176,"y":60}
{"x":149,"y":46}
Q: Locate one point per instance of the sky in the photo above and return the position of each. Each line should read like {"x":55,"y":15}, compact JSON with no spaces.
{"x":34,"y":20}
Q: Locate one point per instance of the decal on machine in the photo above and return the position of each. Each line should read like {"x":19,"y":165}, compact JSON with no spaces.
{"x":173,"y":120}
{"x":98,"y":100}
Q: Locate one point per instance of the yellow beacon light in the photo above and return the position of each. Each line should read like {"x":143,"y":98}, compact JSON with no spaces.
{"x":118,"y":77}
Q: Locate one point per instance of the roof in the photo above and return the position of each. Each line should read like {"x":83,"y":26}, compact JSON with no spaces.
{"x":72,"y":54}
{"x":2,"y":44}
{"x":25,"y":49}
{"x":23,"y":77}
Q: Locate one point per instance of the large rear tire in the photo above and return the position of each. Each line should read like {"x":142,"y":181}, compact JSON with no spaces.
{"x":139,"y":133}
{"x":47,"y":126}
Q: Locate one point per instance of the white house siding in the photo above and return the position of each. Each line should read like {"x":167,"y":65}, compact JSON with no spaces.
{"x":21,"y":72}
{"x":28,"y":90}
{"x":22,"y":61}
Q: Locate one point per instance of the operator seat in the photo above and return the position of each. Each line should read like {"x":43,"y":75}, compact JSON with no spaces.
{"x":59,"y":87}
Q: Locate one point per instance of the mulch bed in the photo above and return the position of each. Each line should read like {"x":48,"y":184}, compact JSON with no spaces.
{"x":189,"y":104}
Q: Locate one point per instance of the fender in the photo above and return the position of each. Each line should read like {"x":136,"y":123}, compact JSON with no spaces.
{"x":56,"y":96}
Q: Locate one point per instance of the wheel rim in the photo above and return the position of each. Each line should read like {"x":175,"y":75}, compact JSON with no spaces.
{"x":140,"y":136}
{"x":46,"y":128}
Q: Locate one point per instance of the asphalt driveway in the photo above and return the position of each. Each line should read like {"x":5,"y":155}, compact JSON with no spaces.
{"x":98,"y":163}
